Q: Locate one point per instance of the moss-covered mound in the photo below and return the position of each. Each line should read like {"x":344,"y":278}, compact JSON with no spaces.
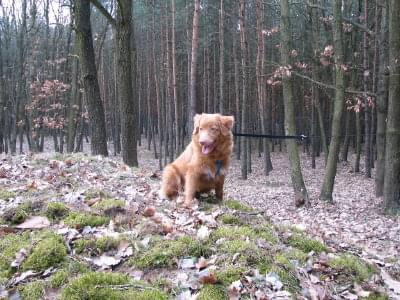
{"x":109,"y":286}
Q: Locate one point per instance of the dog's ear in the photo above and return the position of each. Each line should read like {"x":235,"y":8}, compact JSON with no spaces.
{"x":227,"y":124}
{"x":196,"y":124}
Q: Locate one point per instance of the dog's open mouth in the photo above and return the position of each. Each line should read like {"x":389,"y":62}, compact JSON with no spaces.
{"x":207,"y":149}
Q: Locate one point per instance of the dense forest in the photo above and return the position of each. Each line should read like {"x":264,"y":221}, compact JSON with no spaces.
{"x":119,"y":74}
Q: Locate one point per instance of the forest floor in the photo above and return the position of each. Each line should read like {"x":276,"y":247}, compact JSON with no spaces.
{"x":65,"y":216}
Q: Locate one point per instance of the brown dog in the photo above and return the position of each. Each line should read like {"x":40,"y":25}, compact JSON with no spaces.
{"x":203,"y":164}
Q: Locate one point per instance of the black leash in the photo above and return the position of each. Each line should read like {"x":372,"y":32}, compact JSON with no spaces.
{"x":301,"y":137}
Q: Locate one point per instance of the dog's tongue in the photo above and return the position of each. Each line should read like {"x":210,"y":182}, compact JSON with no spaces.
{"x":207,"y":149}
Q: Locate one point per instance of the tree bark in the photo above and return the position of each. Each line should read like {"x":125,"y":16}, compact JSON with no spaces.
{"x":391,"y":190}
{"x":89,"y":77}
{"x":245,"y":105}
{"x":193,"y":66}
{"x":381,"y":100}
{"x":334,"y":146}
{"x":301,"y":195}
{"x":261,"y":84}
{"x":222,"y":100}
{"x":129,"y":116}
{"x":367,"y":108}
{"x":177,"y":121}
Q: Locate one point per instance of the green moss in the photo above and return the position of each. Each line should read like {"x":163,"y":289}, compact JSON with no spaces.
{"x":352,"y":266}
{"x":59,"y":278}
{"x":236,"y":205}
{"x":300,"y":241}
{"x":376,"y":296}
{"x":267,"y":233}
{"x":6,"y":194}
{"x":96,"y":246}
{"x":81,"y":245}
{"x":56,"y":210}
{"x":9,"y":246}
{"x":17,"y":215}
{"x":48,"y":252}
{"x":287,"y":276}
{"x":107,"y":243}
{"x":231,"y":219}
{"x":94,"y":285}
{"x":110,"y":203}
{"x":233,"y":233}
{"x":32,"y":291}
{"x":93,"y":193}
{"x":80,"y":220}
{"x":148,"y":294}
{"x":99,"y":286}
{"x":229,"y":274}
{"x":296,"y":254}
{"x":212,"y":292}
{"x":164,"y":253}
{"x":237,"y":246}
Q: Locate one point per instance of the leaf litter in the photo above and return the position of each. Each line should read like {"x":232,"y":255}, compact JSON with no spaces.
{"x":353,"y":224}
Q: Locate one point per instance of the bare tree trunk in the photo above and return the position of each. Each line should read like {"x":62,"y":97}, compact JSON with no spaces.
{"x":261,"y":84}
{"x":177,"y":121}
{"x":334,"y":146}
{"x":237,"y":94}
{"x":222,"y":100}
{"x":89,"y":76}
{"x":367,"y":108}
{"x":301,"y":195}
{"x":2,"y":102}
{"x":245,"y":105}
{"x":381,"y":100}
{"x":125,"y":70}
{"x":391,"y":190}
{"x":193,"y":66}
{"x":73,"y":104}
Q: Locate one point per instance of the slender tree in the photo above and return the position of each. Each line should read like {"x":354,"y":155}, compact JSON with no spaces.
{"x":381,"y":100}
{"x":301,"y":195}
{"x":193,"y":66}
{"x":89,"y":77}
{"x":391,"y":191}
{"x":334,"y":146}
{"x":244,"y":143}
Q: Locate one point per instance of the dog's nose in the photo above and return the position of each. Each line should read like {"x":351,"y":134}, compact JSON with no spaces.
{"x":203,"y":143}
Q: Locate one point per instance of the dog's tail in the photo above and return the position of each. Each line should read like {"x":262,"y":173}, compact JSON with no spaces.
{"x":171,"y":182}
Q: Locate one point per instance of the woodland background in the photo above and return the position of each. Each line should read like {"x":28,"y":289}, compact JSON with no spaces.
{"x":125,"y":73}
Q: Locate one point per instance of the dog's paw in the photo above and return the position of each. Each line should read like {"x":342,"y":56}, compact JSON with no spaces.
{"x":162,"y":195}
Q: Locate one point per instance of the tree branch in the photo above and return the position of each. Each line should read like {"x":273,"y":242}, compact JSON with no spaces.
{"x":358,"y":25}
{"x":104,"y":12}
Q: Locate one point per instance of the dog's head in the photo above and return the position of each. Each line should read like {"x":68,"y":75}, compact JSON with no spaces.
{"x":210,"y":128}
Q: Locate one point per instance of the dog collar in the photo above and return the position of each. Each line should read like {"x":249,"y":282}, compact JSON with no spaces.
{"x":218,"y":164}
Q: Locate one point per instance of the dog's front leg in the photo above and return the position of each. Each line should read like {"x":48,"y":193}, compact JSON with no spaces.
{"x":219,"y":188}
{"x":190,"y":189}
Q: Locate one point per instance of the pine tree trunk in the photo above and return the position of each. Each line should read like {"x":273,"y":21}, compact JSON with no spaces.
{"x":301,"y":195}
{"x":2,"y":102}
{"x":177,"y":121}
{"x":381,"y":100}
{"x":73,"y":104}
{"x":222,"y":100}
{"x":261,"y":84}
{"x":125,"y":69}
{"x":89,"y":77}
{"x":237,"y":94}
{"x":367,"y":108}
{"x":391,"y":190}
{"x":334,"y":146}
{"x":245,"y":105}
{"x":193,"y":66}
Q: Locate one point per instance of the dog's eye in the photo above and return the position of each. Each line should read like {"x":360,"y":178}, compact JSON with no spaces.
{"x":200,"y":129}
{"x":214,"y":129}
